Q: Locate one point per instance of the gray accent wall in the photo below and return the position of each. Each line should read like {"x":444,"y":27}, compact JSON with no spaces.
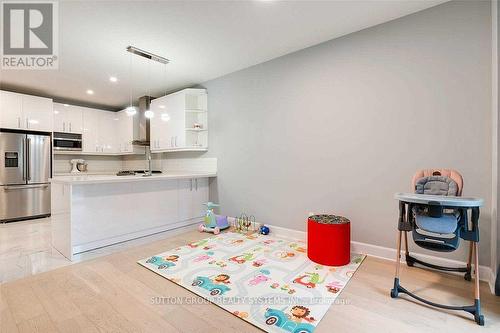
{"x":341,"y":126}
{"x":498,"y":105}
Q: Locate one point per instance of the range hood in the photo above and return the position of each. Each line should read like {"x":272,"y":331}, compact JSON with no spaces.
{"x":142,"y":123}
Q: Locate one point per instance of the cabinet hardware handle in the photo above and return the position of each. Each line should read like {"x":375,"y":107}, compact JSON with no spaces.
{"x":27,"y":123}
{"x":70,"y":127}
{"x":196,"y":180}
{"x":64,"y":126}
{"x":19,"y":122}
{"x":191,"y":182}
{"x":25,"y":187}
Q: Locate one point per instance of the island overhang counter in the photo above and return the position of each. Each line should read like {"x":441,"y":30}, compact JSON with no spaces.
{"x":93,"y":211}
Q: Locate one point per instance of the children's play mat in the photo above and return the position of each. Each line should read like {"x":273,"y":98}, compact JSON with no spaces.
{"x":266,"y":281}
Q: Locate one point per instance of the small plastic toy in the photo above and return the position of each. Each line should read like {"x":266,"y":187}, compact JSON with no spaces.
{"x":243,"y":223}
{"x":213,"y":223}
{"x":264,"y":230}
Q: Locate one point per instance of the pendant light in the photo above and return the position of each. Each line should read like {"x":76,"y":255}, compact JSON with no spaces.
{"x":165,"y":116}
{"x":130,"y":110}
{"x":148,"y":113}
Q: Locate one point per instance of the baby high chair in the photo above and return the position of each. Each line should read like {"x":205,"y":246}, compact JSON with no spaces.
{"x":437,"y":217}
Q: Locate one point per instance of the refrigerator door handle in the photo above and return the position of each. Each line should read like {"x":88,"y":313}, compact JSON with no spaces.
{"x":24,"y":187}
{"x":24,"y":154}
{"x":28,"y":157}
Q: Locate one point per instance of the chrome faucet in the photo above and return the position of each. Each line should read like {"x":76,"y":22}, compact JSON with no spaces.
{"x":148,"y":172}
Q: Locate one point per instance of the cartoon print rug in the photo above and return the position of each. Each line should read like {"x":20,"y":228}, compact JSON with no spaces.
{"x":266,"y":281}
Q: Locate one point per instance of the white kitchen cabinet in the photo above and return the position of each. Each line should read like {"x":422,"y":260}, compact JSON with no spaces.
{"x":11,"y":110}
{"x":107,"y":133}
{"x":125,"y":132}
{"x":100,"y":131}
{"x":90,"y":142}
{"x":193,"y":193}
{"x":201,"y":193}
{"x":161,"y":125}
{"x":103,"y":132}
{"x":38,"y":113}
{"x":68,"y":118}
{"x":180,"y":121}
{"x":20,"y":111}
{"x":93,"y":212}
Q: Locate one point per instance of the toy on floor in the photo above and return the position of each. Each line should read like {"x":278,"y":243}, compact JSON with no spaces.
{"x":264,"y":230}
{"x":213,"y":223}
{"x":244,"y":222}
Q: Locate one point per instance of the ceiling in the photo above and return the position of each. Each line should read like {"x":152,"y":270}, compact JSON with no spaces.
{"x":203,"y":39}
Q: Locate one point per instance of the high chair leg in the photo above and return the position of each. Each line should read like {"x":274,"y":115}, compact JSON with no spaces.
{"x":395,"y":290}
{"x":406,"y":244}
{"x":477,"y":301}
{"x":468,"y":274}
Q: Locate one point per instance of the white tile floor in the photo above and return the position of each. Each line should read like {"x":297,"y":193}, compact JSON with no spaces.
{"x":25,"y":248}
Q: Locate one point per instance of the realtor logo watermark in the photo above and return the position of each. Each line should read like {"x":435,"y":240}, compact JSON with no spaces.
{"x":29,"y":35}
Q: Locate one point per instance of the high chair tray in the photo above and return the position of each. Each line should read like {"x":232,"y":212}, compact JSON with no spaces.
{"x":441,"y":199}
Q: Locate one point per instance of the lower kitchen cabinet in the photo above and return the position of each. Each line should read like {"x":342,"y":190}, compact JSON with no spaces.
{"x":88,"y":214}
{"x":193,"y":193}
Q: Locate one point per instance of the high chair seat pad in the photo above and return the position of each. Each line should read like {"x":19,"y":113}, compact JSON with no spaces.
{"x":436,"y":185}
{"x":446,"y":224}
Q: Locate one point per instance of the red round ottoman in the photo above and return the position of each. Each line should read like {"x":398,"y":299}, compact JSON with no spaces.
{"x":329,"y":240}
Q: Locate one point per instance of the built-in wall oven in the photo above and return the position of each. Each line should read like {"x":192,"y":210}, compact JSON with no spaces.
{"x":67,"y":141}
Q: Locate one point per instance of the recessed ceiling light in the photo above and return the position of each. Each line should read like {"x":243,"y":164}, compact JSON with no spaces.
{"x":113,"y":79}
{"x":149,"y":114}
{"x":66,"y":104}
{"x":161,"y":106}
{"x":90,"y":92}
{"x":56,"y":112}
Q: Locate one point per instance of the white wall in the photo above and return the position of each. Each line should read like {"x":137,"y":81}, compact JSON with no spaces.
{"x":342,"y":126}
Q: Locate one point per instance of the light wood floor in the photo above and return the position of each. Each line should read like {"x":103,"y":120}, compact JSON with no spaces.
{"x":113,"y":294}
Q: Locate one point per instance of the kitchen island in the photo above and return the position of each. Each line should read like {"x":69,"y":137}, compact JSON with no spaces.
{"x":93,"y":211}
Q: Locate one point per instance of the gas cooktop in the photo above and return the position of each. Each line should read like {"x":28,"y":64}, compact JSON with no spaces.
{"x":134,"y":172}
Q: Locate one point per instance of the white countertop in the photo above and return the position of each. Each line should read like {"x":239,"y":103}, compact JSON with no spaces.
{"x":82,"y":179}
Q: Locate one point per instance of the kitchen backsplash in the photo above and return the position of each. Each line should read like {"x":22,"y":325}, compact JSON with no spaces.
{"x":112,"y":164}
{"x":96,"y":164}
{"x":161,"y":162}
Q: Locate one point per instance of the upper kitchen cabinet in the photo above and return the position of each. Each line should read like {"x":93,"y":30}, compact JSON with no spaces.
{"x":99,"y":132}
{"x":19,"y":111}
{"x":90,"y":142}
{"x":68,"y":118}
{"x":108,"y":133}
{"x":180,"y":121}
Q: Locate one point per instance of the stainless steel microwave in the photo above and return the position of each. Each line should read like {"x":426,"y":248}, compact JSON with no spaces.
{"x":67,"y":141}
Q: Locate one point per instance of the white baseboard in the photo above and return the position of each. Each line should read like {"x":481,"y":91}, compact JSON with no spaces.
{"x":485,"y":273}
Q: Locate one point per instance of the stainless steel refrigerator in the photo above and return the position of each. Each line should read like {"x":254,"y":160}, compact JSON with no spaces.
{"x":25,"y":168}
